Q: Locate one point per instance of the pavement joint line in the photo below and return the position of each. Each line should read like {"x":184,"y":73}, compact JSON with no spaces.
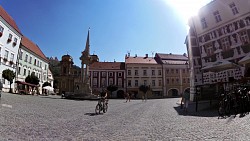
{"x":6,"y":105}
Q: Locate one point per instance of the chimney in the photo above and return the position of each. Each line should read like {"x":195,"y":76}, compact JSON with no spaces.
{"x":146,"y":56}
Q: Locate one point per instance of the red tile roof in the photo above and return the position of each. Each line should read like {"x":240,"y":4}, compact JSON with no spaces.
{"x":171,"y":56}
{"x":33,"y":47}
{"x":9,"y":19}
{"x":107,"y":66}
{"x":140,"y":60}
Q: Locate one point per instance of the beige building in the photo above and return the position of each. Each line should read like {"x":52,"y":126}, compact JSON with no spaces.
{"x":144,"y":71}
{"x":217,"y":42}
{"x":175,"y":73}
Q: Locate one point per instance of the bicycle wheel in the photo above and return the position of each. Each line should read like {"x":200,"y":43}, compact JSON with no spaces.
{"x":98,"y":109}
{"x":105,"y":108}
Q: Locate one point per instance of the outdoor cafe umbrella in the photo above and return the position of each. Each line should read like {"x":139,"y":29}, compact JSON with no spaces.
{"x":220,"y":66}
{"x":49,"y":88}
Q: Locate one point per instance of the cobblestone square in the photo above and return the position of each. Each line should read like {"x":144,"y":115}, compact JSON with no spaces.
{"x":26,"y":117}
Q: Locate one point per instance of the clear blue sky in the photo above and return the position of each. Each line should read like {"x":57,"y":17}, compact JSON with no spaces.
{"x":59,"y":27}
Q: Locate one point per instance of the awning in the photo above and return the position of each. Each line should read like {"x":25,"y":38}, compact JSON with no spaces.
{"x":245,"y":59}
{"x":25,"y":83}
{"x":220,"y":66}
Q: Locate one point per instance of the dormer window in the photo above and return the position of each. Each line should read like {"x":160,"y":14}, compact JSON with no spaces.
{"x":15,"y":42}
{"x":1,"y":31}
{"x":10,"y":38}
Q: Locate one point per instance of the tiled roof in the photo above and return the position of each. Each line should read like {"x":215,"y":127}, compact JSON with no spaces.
{"x":171,"y":56}
{"x":33,"y":47}
{"x":8,"y":19}
{"x":140,"y":60}
{"x":107,"y":66}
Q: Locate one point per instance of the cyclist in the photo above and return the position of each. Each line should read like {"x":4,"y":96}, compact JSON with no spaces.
{"x":104,"y":96}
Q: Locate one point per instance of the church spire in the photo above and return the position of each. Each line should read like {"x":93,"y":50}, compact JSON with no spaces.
{"x":87,"y":43}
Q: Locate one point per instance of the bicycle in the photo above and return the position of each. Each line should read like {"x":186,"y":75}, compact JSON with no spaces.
{"x":102,"y":105}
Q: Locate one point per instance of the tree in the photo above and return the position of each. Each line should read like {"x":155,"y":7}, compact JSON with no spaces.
{"x":46,"y":84}
{"x":112,"y":88}
{"x":9,"y":75}
{"x":144,"y":88}
{"x":32,"y":79}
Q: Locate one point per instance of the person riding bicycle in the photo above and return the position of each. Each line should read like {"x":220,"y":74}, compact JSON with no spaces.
{"x":104,"y":96}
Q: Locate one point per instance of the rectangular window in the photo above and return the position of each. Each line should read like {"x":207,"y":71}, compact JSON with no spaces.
{"x":10,"y":37}
{"x":129,"y":83}
{"x":145,"y":82}
{"x":95,"y":74}
{"x":40,"y":64}
{"x":111,"y":81}
{"x":95,"y":82}
{"x":21,"y":55}
{"x":12,"y":57}
{"x":119,"y":74}
{"x":234,"y":8}
{"x":184,"y":80}
{"x":120,"y":82}
{"x":30,"y":59}
{"x":28,"y":72}
{"x":15,"y":41}
{"x":110,"y":74}
{"x":35,"y":62}
{"x":167,"y":81}
{"x":217,"y":16}
{"x":153,"y":72}
{"x":159,"y":82}
{"x":104,"y":74}
{"x":129,"y":72}
{"x":210,"y":50}
{"x":6,"y":54}
{"x":153,"y":82}
{"x":177,"y":80}
{"x":225,"y":44}
{"x":24,"y":72}
{"x":167,"y":71}
{"x":203,"y":23}
{"x":103,"y":82}
{"x":1,"y":30}
{"x":136,"y":83}
{"x":26,"y":58}
{"x":177,"y":71}
{"x":19,"y":70}
{"x":136,"y":72}
{"x":159,"y":72}
{"x":45,"y":67}
{"x":144,"y":72}
{"x":244,"y":37}
{"x":183,"y":71}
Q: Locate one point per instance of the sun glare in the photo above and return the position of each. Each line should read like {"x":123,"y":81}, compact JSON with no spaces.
{"x":186,"y":8}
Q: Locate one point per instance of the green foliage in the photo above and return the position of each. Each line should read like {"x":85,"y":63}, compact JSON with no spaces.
{"x":144,"y":88}
{"x":46,"y":84}
{"x":112,"y":88}
{"x":56,"y":83}
{"x":9,"y":75}
{"x":32,"y":79}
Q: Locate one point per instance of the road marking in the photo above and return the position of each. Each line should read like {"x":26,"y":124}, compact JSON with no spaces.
{"x":6,"y":105}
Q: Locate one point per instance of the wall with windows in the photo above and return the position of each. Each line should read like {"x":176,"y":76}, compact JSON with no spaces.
{"x":9,"y":45}
{"x":29,"y":62}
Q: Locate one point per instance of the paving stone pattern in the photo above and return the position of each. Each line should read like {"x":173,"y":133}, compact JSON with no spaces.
{"x":35,"y":118}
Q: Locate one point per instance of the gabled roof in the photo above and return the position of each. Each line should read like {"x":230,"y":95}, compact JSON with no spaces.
{"x":171,"y":56}
{"x":9,"y":19}
{"x":107,"y":66}
{"x":33,"y":47}
{"x":140,"y":60}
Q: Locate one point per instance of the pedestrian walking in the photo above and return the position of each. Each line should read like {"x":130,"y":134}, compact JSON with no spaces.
{"x":127,"y":97}
{"x":186,"y":100}
{"x":144,"y":96}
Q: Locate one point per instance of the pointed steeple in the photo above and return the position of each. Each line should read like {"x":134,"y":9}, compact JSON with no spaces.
{"x":87,"y":44}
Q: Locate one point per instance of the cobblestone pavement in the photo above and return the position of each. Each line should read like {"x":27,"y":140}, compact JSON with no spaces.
{"x":25,"y":117}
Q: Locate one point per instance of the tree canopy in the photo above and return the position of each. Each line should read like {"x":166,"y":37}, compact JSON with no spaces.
{"x":144,"y":88}
{"x":112,"y":88}
{"x":32,"y":79}
{"x":9,"y":75}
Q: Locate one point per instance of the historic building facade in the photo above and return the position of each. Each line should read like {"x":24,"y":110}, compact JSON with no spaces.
{"x":32,"y":60}
{"x":175,"y":73}
{"x":103,"y":74}
{"x":144,"y":71}
{"x":217,"y":41}
{"x":10,"y":37}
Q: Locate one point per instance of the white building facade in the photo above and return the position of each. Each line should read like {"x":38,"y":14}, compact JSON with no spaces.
{"x":217,"y":41}
{"x":10,"y":37}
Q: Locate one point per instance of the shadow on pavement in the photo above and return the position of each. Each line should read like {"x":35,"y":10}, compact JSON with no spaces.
{"x":93,"y":114}
{"x":204,"y":110}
